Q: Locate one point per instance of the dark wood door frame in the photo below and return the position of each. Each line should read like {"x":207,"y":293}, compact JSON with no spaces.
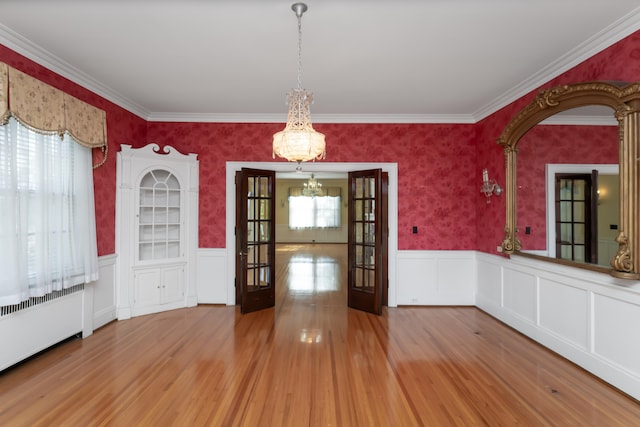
{"x":392,"y":235}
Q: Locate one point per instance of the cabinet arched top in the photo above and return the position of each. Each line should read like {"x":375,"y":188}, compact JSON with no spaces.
{"x":134,"y":163}
{"x":153,"y":150}
{"x":160,"y":177}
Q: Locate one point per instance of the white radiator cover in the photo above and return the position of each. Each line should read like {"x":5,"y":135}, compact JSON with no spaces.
{"x":29,"y":331}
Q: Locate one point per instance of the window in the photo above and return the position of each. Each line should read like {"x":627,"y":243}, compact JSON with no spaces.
{"x":314,"y":212}
{"x":47,"y":232}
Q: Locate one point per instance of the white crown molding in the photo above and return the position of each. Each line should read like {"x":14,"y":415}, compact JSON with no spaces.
{"x":316,"y":118}
{"x":615,"y":32}
{"x":26,"y":47}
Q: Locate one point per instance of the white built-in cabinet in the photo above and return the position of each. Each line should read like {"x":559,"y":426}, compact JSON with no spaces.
{"x":156,"y":229}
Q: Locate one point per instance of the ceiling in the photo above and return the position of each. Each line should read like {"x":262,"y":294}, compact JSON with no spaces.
{"x":438,"y":61}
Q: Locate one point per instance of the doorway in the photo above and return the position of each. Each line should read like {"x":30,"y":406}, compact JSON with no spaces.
{"x":390,"y":168}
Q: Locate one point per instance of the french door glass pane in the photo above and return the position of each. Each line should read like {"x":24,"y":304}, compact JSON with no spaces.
{"x":579,"y":234}
{"x":566,"y":232}
{"x":565,"y":211}
{"x":579,"y":189}
{"x":579,"y":211}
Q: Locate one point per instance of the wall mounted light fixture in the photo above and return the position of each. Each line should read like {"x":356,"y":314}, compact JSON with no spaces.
{"x":489,"y":186}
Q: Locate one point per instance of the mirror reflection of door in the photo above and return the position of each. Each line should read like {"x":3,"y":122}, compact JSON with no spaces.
{"x":574,"y":141}
{"x":255,"y":239}
{"x":367,"y":272}
{"x":577,"y":217}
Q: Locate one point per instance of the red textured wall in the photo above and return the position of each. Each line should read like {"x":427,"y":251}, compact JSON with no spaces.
{"x":436,"y":184}
{"x":439,"y":166}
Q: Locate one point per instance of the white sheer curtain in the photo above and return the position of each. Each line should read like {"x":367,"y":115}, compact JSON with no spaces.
{"x":47,"y":211}
{"x":314,"y":212}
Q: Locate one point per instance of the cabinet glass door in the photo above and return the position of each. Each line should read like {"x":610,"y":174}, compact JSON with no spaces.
{"x":159,"y":216}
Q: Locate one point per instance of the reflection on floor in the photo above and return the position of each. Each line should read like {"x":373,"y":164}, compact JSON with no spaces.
{"x":311,"y":268}
{"x":311,"y":273}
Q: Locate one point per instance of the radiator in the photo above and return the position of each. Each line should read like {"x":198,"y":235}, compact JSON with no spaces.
{"x":39,"y":323}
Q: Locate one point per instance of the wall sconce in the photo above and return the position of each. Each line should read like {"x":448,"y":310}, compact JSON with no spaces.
{"x":489,"y":186}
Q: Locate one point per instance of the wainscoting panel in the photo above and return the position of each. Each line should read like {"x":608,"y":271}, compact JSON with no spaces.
{"x":617,"y":331}
{"x":490,"y":282}
{"x":211,"y":276}
{"x":436,"y":278}
{"x":520,"y":294}
{"x":588,"y":317}
{"x":564,"y":311}
{"x":104,"y":292}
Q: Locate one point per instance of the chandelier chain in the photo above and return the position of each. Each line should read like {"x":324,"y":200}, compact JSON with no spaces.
{"x":299,"y":51}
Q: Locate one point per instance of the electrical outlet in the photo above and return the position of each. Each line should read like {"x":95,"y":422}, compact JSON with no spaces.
{"x":499,"y":248}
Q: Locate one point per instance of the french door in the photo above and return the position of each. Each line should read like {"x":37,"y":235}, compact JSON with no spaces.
{"x":367,"y":241}
{"x":255,"y":239}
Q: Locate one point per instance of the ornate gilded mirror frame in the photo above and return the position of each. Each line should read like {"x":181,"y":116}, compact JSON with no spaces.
{"x":624,"y":99}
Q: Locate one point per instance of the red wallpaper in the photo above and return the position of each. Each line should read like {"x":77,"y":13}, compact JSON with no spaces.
{"x":436,"y":185}
{"x":439,"y":165}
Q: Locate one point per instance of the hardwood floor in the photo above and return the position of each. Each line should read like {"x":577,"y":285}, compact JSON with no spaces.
{"x":309,"y":361}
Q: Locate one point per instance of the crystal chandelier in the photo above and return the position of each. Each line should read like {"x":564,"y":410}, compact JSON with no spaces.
{"x":312,"y":187}
{"x":299,"y":142}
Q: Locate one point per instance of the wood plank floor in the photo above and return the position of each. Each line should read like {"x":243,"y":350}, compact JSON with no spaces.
{"x":309,"y":361}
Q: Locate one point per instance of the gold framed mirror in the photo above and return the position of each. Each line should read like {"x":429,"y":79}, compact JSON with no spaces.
{"x":624,"y":101}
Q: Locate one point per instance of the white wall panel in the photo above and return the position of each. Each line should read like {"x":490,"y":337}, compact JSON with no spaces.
{"x":520,"y":294}
{"x":416,"y":277}
{"x":490,"y":282}
{"x":436,"y":278}
{"x":104,"y":292}
{"x":617,"y":331}
{"x":456,"y":280}
{"x":211,"y":276}
{"x":564,"y":311}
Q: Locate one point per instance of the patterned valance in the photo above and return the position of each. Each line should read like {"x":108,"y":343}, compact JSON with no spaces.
{"x":44,"y":108}
{"x":324,"y":191}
